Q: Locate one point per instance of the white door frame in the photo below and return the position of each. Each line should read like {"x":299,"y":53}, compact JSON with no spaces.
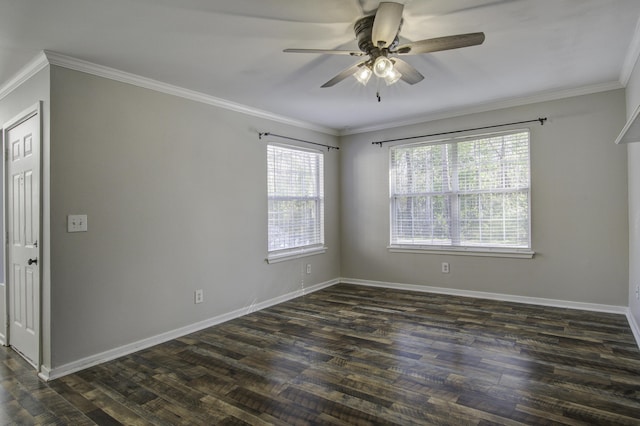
{"x":34,"y":110}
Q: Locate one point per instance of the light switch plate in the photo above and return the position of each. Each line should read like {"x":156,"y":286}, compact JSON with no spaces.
{"x":77,"y":223}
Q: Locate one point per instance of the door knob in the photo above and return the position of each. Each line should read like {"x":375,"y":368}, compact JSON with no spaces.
{"x":32,"y":261}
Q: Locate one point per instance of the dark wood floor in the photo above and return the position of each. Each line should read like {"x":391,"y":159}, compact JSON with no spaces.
{"x":357,"y":355}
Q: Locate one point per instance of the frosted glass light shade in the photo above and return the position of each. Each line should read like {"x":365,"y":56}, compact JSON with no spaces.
{"x":363,"y":75}
{"x":392,"y":76}
{"x":382,"y":66}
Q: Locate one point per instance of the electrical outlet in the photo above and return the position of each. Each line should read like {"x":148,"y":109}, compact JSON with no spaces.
{"x":445,"y":267}
{"x":308,"y":268}
{"x":198,"y":296}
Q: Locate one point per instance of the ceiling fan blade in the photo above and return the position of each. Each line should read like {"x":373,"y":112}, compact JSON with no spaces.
{"x":409,"y":73}
{"x":386,"y":24}
{"x":325,"y":51}
{"x":344,"y":74}
{"x":440,"y":43}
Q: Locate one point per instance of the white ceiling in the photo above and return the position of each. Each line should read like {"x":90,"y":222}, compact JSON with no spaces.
{"x":232,"y":50}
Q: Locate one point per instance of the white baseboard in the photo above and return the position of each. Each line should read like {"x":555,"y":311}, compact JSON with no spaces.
{"x":72,"y":367}
{"x":635,"y":329}
{"x":90,"y":361}
{"x":45,"y":373}
{"x":493,"y":296}
{"x":594,"y":307}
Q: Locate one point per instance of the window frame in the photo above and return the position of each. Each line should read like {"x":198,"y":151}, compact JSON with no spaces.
{"x":295,"y":252}
{"x":466,"y":250}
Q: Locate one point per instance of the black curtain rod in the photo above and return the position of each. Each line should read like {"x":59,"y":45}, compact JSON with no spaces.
{"x":541,"y":120}
{"x":329,"y":147}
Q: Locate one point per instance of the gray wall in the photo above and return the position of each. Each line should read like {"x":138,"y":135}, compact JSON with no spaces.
{"x":579,"y":208}
{"x":31,"y":92}
{"x":175,"y":193}
{"x":633,"y":150}
{"x":175,"y":196}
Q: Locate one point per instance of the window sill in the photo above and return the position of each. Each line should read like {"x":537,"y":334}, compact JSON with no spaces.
{"x":465,"y":251}
{"x":283,"y":256}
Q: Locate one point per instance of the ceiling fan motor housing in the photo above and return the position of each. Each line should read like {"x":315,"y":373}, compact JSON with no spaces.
{"x":363,"y":28}
{"x":373,"y":33}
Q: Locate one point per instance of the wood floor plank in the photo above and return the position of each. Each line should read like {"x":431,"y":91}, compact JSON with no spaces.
{"x":350,"y":355}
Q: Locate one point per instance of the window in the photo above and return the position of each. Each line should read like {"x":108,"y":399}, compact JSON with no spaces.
{"x":296,"y":201}
{"x":464,"y":194}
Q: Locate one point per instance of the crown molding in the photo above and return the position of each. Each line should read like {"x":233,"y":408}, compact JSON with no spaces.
{"x":490,"y":106}
{"x":48,"y":57}
{"x":29,"y":70}
{"x":148,"y":83}
{"x":630,"y":61}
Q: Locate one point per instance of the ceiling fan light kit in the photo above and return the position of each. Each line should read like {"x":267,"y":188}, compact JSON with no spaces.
{"x":363,"y":75}
{"x":392,"y":76}
{"x":382,"y":66}
{"x":377,"y":37}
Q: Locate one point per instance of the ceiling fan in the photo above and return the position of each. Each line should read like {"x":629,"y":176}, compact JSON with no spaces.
{"x":378,"y":40}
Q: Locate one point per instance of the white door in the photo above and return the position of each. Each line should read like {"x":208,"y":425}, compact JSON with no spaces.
{"x":22,"y":144}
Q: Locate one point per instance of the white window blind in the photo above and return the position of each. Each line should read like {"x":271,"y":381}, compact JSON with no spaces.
{"x":468,"y":192}
{"x":296,"y":198}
